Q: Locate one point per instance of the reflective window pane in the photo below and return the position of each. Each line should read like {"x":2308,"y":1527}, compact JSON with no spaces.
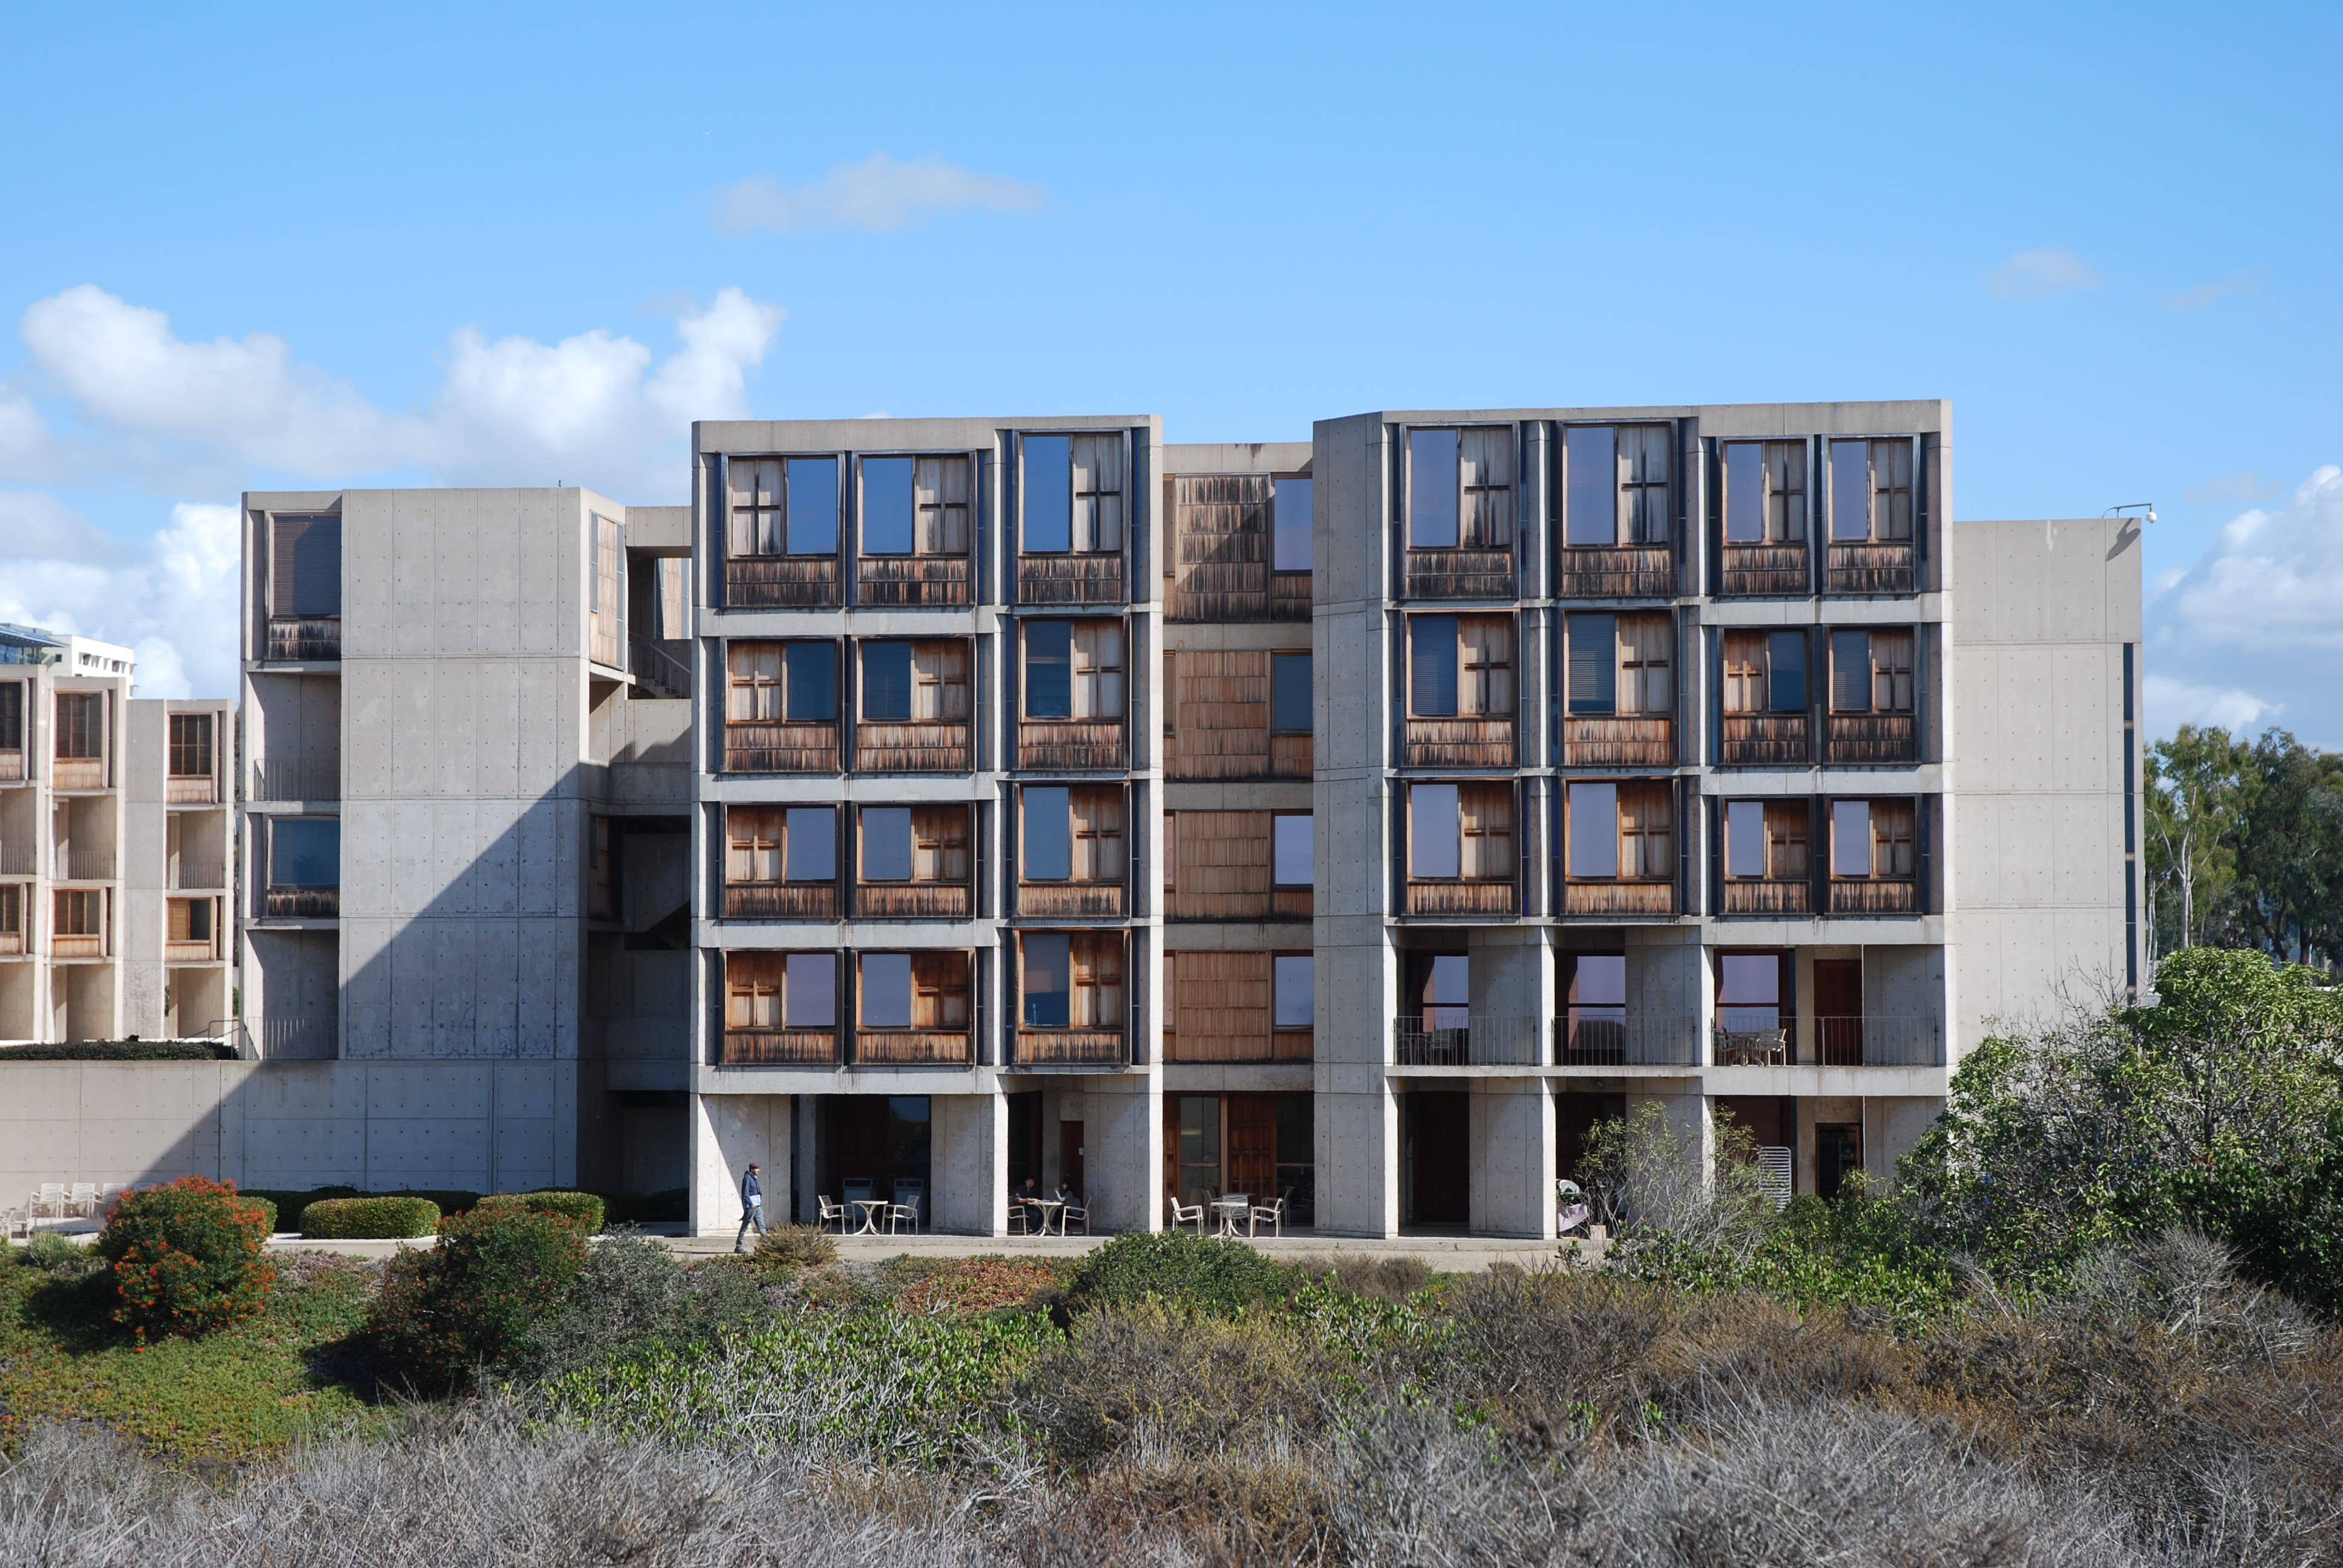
{"x":1591,"y":500}
{"x":813,"y":506}
{"x":886,"y":991}
{"x":810,"y":853}
{"x":1047,"y":963}
{"x":811,"y":999}
{"x":1294,"y":852}
{"x":1047,"y":493}
{"x":1786,"y":672}
{"x":305,"y":852}
{"x":1432,"y":488}
{"x":1745,"y":839}
{"x":1432,"y":830}
{"x":1295,"y":997}
{"x":886,"y":843}
{"x":1045,"y":835}
{"x":1432,"y":665}
{"x":1851,"y":838}
{"x":886,"y":682}
{"x":813,"y":682}
{"x":1289,"y":693}
{"x":1744,"y":492}
{"x":886,"y":506}
{"x":1599,"y":979}
{"x":1288,"y":509}
{"x":1850,"y":490}
{"x":1593,"y":830}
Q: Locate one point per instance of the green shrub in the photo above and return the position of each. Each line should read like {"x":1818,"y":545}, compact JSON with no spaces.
{"x":290,"y":1202}
{"x":472,"y":1301}
{"x":1208,"y":1275}
{"x":185,"y":1258}
{"x":451,"y":1200}
{"x":52,"y":1254}
{"x":632,"y":1299}
{"x":785,"y":1249}
{"x":580,"y":1209}
{"x":368,"y":1219}
{"x":122,"y":1050}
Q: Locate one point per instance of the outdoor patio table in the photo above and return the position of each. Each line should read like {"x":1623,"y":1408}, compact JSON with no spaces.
{"x":1227,"y":1211}
{"x":871,"y":1208}
{"x":1049,"y":1206}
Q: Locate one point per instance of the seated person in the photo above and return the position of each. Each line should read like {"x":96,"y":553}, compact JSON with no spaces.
{"x":1066,"y":1195}
{"x":1028,"y":1196}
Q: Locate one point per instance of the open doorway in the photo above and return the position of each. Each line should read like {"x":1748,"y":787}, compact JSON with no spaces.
{"x":1436,"y":1158}
{"x":1838,"y":1154}
{"x":875,"y":1146}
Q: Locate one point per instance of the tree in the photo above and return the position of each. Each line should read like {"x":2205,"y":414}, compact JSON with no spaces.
{"x":2195,"y":784}
{"x":2288,"y":844}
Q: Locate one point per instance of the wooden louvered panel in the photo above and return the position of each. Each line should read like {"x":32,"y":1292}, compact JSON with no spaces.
{"x":913,"y":1047}
{"x":1460,"y":574}
{"x":1076,"y":745}
{"x":911,"y":900}
{"x":1460,"y":897}
{"x":1222,"y":866}
{"x":764,"y":582}
{"x":1459,"y":743}
{"x":780,"y":748}
{"x":1069,"y":1047}
{"x":1752,"y":897}
{"x":1086,"y":900}
{"x":1860,"y":737}
{"x":1070,"y":579}
{"x":1220,"y":565}
{"x":781,"y":901}
{"x":1634,"y":571}
{"x":1874,"y":897}
{"x":1619,"y":899}
{"x":912,"y":747}
{"x":1869,"y":569}
{"x":1775,"y":570}
{"x":913,"y":580}
{"x":780,"y":1047}
{"x":1619,"y":742}
{"x":1775,"y":739}
{"x":1223,"y":715}
{"x":1289,"y":596}
{"x":1222,"y":1010}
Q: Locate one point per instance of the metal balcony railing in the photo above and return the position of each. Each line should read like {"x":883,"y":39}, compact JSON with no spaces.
{"x":1759,"y":1037}
{"x":657,"y":669}
{"x":18,"y":860}
{"x":1600,"y":1036}
{"x":285,"y":779}
{"x":86,"y":865}
{"x":299,"y":1039}
{"x":1451,"y":1036}
{"x":194,"y":875}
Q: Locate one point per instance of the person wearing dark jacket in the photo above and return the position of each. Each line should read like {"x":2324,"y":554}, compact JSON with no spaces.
{"x":752,"y":1205}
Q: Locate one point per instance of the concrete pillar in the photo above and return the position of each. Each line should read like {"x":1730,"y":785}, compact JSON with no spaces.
{"x":1512,"y":1134}
{"x":727,"y":1132}
{"x":1123,"y":1137}
{"x":805,"y":1158}
{"x":1356,"y":1131}
{"x":967,"y":1164}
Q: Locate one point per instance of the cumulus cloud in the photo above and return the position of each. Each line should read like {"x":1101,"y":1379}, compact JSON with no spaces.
{"x":2173,"y":703}
{"x":2031,"y":275}
{"x":880,"y":194}
{"x":2253,"y":625}
{"x":172,"y":601}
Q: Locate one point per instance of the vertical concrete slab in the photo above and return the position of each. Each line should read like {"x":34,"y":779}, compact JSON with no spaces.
{"x":1513,"y":1137}
{"x":968,"y":1191}
{"x":727,"y":1132}
{"x":1124,"y":1134}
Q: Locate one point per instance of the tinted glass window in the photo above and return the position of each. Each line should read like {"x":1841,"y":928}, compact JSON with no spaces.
{"x":1593,"y":663}
{"x":1294,"y":852}
{"x":887,"y":991}
{"x":1591,"y":503}
{"x":886,"y":843}
{"x":1045,"y":834}
{"x":1850,"y":489}
{"x":1599,"y":979}
{"x":812,"y":997}
{"x":1432,"y":830}
{"x":1744,"y":492}
{"x":811,"y":848}
{"x":887,"y":506}
{"x":1288,"y":510}
{"x":1851,"y":838}
{"x":1786,"y":672}
{"x":1049,"y":669}
{"x":813,"y":682}
{"x":1048,"y":963}
{"x":1593,"y":829}
{"x":1745,"y":839}
{"x":1290,"y":692}
{"x":1431,"y":664}
{"x":1296,"y":994}
{"x":1432,"y":488}
{"x":305,"y":852}
{"x":813,"y":506}
{"x":887,"y":681}
{"x":1049,"y":493}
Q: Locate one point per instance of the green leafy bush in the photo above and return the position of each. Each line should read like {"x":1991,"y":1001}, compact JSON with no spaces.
{"x":633,"y":1298}
{"x":185,"y":1258}
{"x":121,"y":1051}
{"x":472,"y":1301}
{"x":448,"y":1200}
{"x":1207,"y":1275}
{"x":368,"y":1219}
{"x":53,"y":1254}
{"x":785,"y":1249}
{"x":288,"y":1203}
{"x":580,"y":1209}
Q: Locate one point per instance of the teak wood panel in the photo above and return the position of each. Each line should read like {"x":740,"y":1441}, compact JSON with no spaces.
{"x":1474,"y":898}
{"x":1460,"y":573}
{"x":197,"y":791}
{"x":1223,"y":1009}
{"x":78,"y":773}
{"x":767,"y":582}
{"x":1068,"y":1047}
{"x":302,"y":903}
{"x":778,"y":1047}
{"x":911,"y":748}
{"x":301,"y":638}
{"x":1075,"y":900}
{"x":1221,"y":866}
{"x":1879,"y":895}
{"x":1753,"y":897}
{"x":1633,"y":571}
{"x":1220,"y":715}
{"x":1871,"y":569}
{"x":781,"y":900}
{"x":780,"y":747}
{"x":912,"y":900}
{"x":1289,"y":596}
{"x":1776,"y":571}
{"x":913,"y":580}
{"x":1459,"y":743}
{"x":1081,"y":745}
{"x":1221,"y":564}
{"x":1765,"y":740}
{"x":1860,"y":737}
{"x":1070,"y":579}
{"x":1619,"y":742}
{"x":913,"y":1047}
{"x":1619,"y":899}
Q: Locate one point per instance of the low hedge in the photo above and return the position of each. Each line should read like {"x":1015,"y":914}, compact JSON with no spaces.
{"x":122,"y":1050}
{"x":289,"y":1202}
{"x":452,"y":1201}
{"x":369,"y":1219}
{"x":582,"y":1209}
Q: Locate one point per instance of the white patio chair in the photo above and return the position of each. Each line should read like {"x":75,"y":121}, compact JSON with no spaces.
{"x":84,"y":1198}
{"x":49,"y":1202}
{"x":1273,"y":1211}
{"x":1072,"y":1215}
{"x":912,"y":1194}
{"x":1187,"y":1214}
{"x":899,"y":1214}
{"x":828,"y":1213}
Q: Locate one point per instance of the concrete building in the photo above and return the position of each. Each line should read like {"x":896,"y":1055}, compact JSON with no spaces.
{"x":178,"y":890}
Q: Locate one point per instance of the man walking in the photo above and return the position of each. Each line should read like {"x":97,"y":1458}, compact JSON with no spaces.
{"x":752,"y":1205}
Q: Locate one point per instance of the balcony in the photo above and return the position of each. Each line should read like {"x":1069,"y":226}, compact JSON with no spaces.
{"x":1871,"y":569}
{"x":1069,"y":1047}
{"x":1754,"y":1043}
{"x":301,"y":903}
{"x":1764,"y":741}
{"x":1600,"y":1036}
{"x":779,"y":1047}
{"x":1289,"y":596}
{"x":18,"y":860}
{"x":1619,"y":899}
{"x":780,"y":582}
{"x":1875,"y":895}
{"x":192,"y":875}
{"x":913,"y":1048}
{"x":780,"y":747}
{"x":1070,"y":746}
{"x":1070,"y":579}
{"x":84,"y":865}
{"x":1488,"y":899}
{"x":1773,"y":896}
{"x":1075,"y":900}
{"x":1637,"y":571}
{"x":911,"y":748}
{"x":78,"y":773}
{"x":1460,"y":574}
{"x":1766,"y":571}
{"x":200,"y":790}
{"x":781,"y":900}
{"x":1870,"y":1041}
{"x":1449,"y":1037}
{"x":303,"y":637}
{"x":1856,"y":739}
{"x":1459,"y":743}
{"x":299,"y":1039}
{"x":913,"y":580}
{"x":190,"y":953}
{"x":912,"y":901}
{"x":1634,"y":742}
{"x":297,"y":778}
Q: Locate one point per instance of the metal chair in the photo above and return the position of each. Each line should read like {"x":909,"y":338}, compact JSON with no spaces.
{"x":84,"y":1198}
{"x":912,"y":1193}
{"x":49,"y":1202}
{"x":1273,"y":1211}
{"x":827,"y":1212}
{"x":900,"y":1214}
{"x":1190,"y":1214}
{"x":1072,"y":1215}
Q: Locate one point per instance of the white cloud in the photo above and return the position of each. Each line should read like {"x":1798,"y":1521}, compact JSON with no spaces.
{"x":173,"y":600}
{"x":2243,"y":284}
{"x":2039,"y":274}
{"x":880,"y":194}
{"x":2250,"y":630}
{"x":2173,"y":703}
{"x":33,"y":527}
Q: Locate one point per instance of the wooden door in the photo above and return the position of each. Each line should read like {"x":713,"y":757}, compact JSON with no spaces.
{"x":1070,"y":1157}
{"x":1438,"y":1137}
{"x":1251,"y":1145}
{"x":1839,"y":1011}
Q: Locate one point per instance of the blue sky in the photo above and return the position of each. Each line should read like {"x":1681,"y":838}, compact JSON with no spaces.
{"x":517,"y":245}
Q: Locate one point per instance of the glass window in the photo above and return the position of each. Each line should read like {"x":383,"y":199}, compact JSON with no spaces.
{"x":813,"y":682}
{"x":191,"y":745}
{"x":1047,"y":493}
{"x":1431,"y":665}
{"x":1049,"y":669}
{"x":1289,"y":511}
{"x":813,"y":506}
{"x":1295,"y":992}
{"x":1599,"y":979}
{"x":1294,"y":851}
{"x":886,"y":682}
{"x":1593,"y":830}
{"x":811,"y":848}
{"x":1850,"y":672}
{"x":1594,"y":664}
{"x":1045,"y":833}
{"x":886,"y":991}
{"x":1289,"y":693}
{"x":1590,"y":498}
{"x":306,"y":575}
{"x":305,"y":852}
{"x":1432,"y":490}
{"x":81,"y":725}
{"x":1850,"y":837}
{"x":1744,"y":493}
{"x":1786,"y":672}
{"x":1850,"y":490}
{"x":1049,"y":962}
{"x":11,"y":716}
{"x":886,"y":843}
{"x":811,"y":999}
{"x":887,"y":510}
{"x":1200,"y":1148}
{"x":1433,"y":831}
{"x":1745,"y":839}
{"x":1749,"y":991}
{"x":1448,"y":992}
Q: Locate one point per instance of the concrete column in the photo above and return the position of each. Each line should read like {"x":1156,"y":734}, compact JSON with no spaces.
{"x":968,"y":1163}
{"x":1512,"y":1134}
{"x":728,"y":1131}
{"x":1357,"y":1135}
{"x":1123,"y":1137}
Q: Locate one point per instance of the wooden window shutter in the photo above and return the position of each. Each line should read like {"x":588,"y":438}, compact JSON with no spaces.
{"x":754,"y":696}
{"x":1097,"y":834}
{"x":1645,"y":685}
{"x":754,"y":854}
{"x":939,"y":490}
{"x":755,"y":527}
{"x":1891,"y":839}
{"x":1785,"y":491}
{"x":1786,"y":856}
{"x":1646,"y":840}
{"x":1098,"y":669}
{"x":1486,"y":666}
{"x":1891,"y":669}
{"x":1643,"y":482}
{"x":752,"y":983}
{"x":1745,"y":672}
{"x":1485,"y":823}
{"x":939,"y":991}
{"x":1096,"y":957}
{"x":940,"y":682}
{"x":1098,"y":492}
{"x":940,"y":843}
{"x":1486,"y":457}
{"x":1171,"y":852}
{"x":1891,"y":483}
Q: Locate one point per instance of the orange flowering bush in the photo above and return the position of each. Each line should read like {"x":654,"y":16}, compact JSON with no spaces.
{"x":185,"y":1258}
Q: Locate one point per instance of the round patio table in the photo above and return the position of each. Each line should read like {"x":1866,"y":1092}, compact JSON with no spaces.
{"x":1227,"y":1211}
{"x":871,"y":1208}
{"x":1049,"y":1206}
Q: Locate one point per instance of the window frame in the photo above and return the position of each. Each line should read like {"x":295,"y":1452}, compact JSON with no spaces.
{"x":1284,"y":659}
{"x":782,"y":683}
{"x":1633,"y":509}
